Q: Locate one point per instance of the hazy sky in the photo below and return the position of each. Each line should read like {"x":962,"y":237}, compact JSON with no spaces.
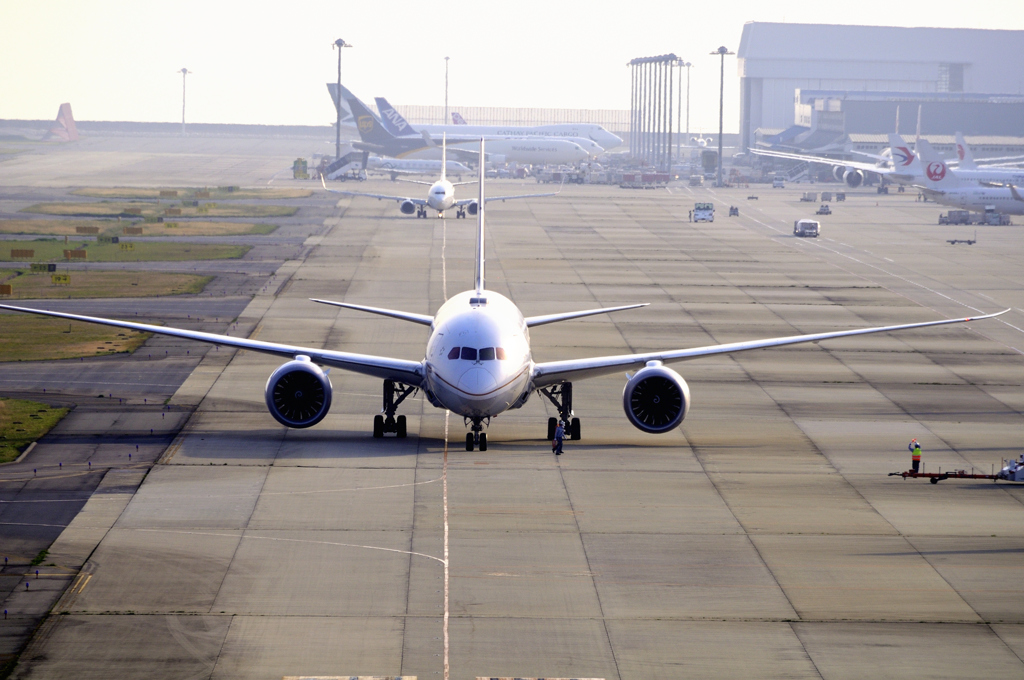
{"x":267,"y":62}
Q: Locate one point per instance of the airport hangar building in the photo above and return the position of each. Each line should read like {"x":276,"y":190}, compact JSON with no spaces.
{"x":822,"y":87}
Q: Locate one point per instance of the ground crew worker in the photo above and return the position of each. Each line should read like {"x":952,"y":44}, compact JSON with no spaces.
{"x":559,"y":437}
{"x":915,"y":454}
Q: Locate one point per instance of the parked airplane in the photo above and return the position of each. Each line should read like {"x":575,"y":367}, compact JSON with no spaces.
{"x":947,"y":187}
{"x":413,"y":166}
{"x":905,"y":167}
{"x":478,"y":363}
{"x":440,"y":196}
{"x":457,"y":119}
{"x":967,"y":161}
{"x":574,"y":131}
{"x":396,"y":124}
{"x":377,"y":139}
{"x":346,"y":115}
{"x":64,"y":127}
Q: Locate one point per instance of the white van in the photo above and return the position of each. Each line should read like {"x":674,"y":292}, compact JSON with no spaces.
{"x":807,"y":228}
{"x":704,"y":212}
{"x":779,"y":182}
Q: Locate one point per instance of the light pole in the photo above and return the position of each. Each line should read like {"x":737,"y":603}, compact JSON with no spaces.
{"x":184,"y":72}
{"x":338,"y":44}
{"x":721,"y":51}
{"x":445,"y":121}
{"x":681,"y":63}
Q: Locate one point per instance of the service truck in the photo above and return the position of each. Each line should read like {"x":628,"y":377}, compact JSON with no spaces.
{"x":807,"y":228}
{"x":704,"y":212}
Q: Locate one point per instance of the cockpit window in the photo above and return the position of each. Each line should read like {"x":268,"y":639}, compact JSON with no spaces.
{"x":472,"y":354}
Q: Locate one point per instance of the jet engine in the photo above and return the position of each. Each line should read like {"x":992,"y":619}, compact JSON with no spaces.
{"x":656,"y":399}
{"x":407,"y":207}
{"x":298,"y":393}
{"x":838,"y":171}
{"x":472,"y":208}
{"x":853,"y":178}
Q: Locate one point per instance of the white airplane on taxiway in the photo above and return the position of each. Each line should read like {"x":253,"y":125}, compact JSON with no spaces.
{"x":479,"y":363}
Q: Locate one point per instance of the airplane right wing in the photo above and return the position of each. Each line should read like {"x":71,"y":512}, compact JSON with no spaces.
{"x":553,"y":372}
{"x":856,"y":165}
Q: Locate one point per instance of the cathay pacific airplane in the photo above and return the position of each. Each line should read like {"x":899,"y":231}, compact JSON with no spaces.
{"x":478,"y":363}
{"x":440,"y":196}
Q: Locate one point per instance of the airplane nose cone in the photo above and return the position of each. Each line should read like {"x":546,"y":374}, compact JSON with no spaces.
{"x":477,"y":381}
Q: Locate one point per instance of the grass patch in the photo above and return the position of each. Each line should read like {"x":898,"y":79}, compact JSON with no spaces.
{"x":52,"y":250}
{"x":21,"y":423}
{"x":67,"y":227}
{"x":38,"y":559}
{"x":158,"y":209}
{"x":27,"y":337}
{"x":101,"y":284}
{"x":192,"y":193}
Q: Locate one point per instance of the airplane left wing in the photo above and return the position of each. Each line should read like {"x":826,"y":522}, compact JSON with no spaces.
{"x":553,"y":372}
{"x":382,"y":197}
{"x":401,"y":370}
{"x":488,"y":199}
{"x":856,"y":165}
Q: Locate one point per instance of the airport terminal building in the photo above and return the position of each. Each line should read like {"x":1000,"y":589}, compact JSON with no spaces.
{"x":816,"y":83}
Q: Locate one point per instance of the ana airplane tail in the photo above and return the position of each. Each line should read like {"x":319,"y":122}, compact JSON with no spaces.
{"x":457,"y":119}
{"x":936,"y":173}
{"x":371,"y":129}
{"x":64,"y":127}
{"x":393,"y":120}
{"x":963,"y":152}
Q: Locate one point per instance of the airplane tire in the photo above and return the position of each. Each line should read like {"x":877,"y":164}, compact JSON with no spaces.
{"x":552,"y":424}
{"x":469,"y":441}
{"x":574,"y":429}
{"x":400,"y":427}
{"x":378,"y":426}
{"x":483,"y":441}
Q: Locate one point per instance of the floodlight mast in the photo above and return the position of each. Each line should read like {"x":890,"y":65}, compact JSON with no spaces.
{"x":722,"y":51}
{"x":184,"y":72}
{"x":446,"y":120}
{"x":338,"y":44}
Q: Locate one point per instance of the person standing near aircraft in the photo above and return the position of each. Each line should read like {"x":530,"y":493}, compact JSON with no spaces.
{"x":559,"y":438}
{"x":915,"y":455}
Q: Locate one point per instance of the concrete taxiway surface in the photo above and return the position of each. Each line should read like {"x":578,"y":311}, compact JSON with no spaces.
{"x":761,"y":539}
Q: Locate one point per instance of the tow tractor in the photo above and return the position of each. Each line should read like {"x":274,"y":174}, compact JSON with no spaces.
{"x":1013,"y":471}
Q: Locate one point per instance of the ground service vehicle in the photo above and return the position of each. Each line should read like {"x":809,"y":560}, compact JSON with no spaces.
{"x":696,"y":180}
{"x":806,"y":228}
{"x":824,"y":210}
{"x":955,"y":217}
{"x":704,"y":212}
{"x":779,"y":182}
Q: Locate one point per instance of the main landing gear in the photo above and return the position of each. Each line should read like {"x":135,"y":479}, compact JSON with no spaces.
{"x":421,"y":212}
{"x":394,"y":394}
{"x":476,"y":437}
{"x":561,"y":396}
{"x":460,"y":214}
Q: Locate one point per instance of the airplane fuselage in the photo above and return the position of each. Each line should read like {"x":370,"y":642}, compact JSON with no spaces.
{"x":478,"y":359}
{"x":979,"y":198}
{"x":441,"y":195}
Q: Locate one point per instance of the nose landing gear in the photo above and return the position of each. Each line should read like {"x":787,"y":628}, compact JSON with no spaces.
{"x":476,"y":438}
{"x":394,"y":394}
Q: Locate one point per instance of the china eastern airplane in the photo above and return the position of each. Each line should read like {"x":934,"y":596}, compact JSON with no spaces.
{"x":440,"y":196}
{"x":905,"y":167}
{"x":478,"y":363}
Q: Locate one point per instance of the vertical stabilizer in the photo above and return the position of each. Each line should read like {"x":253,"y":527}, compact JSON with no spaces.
{"x":937,"y":174}
{"x":64,"y":127}
{"x":917,"y":140}
{"x":395,"y":123}
{"x":370,"y":128}
{"x":963,"y":152}
{"x":480,"y":226}
{"x":904,"y":161}
{"x":457,"y":119}
{"x":444,"y":154}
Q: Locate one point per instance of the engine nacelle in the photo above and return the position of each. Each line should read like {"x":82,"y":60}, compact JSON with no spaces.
{"x":656,"y":399}
{"x":298,"y":393}
{"x":472,"y":208}
{"x":838,"y":172}
{"x":853,"y":178}
{"x":407,"y":207}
